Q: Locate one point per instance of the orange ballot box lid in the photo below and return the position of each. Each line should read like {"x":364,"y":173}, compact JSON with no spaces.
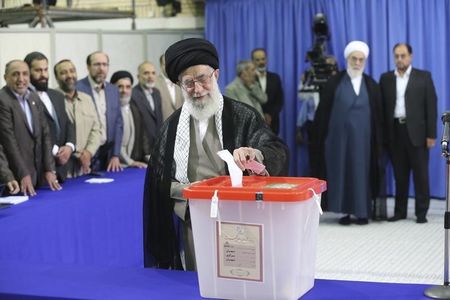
{"x":264,"y":188}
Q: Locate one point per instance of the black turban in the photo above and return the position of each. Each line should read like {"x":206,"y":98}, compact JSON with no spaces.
{"x":187,"y":53}
{"x":120,"y":75}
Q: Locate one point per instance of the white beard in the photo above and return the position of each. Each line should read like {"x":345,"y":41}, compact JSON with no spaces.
{"x":353,"y":73}
{"x":205,"y":108}
{"x":149,"y":85}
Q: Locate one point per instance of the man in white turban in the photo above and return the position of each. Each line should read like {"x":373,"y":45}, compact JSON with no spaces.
{"x":347,"y":139}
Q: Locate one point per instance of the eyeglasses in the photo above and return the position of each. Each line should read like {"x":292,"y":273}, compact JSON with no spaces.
{"x":202,"y":80}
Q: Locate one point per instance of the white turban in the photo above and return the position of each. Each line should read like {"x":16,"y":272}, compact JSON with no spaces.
{"x":356,"y":46}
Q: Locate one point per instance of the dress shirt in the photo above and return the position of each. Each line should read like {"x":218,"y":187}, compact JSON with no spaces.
{"x":98,"y":90}
{"x":262,"y":78}
{"x":401,"y":83}
{"x":23,"y":101}
{"x":148,"y":94}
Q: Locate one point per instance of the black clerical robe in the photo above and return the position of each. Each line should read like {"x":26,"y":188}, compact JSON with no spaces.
{"x":242,"y":127}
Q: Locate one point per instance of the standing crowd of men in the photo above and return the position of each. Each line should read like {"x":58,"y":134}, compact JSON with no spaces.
{"x":84,"y":126}
{"x":176,"y":122}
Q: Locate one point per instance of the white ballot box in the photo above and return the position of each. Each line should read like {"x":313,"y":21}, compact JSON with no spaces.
{"x":257,"y":241}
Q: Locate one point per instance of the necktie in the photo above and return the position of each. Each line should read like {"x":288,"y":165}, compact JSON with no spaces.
{"x":26,"y":109}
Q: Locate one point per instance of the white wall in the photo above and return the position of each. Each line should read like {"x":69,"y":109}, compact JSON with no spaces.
{"x":126,"y":48}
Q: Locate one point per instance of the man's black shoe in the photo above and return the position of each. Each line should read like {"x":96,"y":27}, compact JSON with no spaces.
{"x":395,"y":218}
{"x":345,"y":220}
{"x":362,"y":221}
{"x":421,"y":220}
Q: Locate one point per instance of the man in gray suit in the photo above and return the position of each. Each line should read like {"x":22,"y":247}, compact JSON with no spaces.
{"x":24,"y":131}
{"x":410,"y":116}
{"x":61,"y":128}
{"x":244,"y":87}
{"x":171,"y":95}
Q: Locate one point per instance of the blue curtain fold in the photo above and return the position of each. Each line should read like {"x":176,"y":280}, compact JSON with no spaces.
{"x":284,"y":28}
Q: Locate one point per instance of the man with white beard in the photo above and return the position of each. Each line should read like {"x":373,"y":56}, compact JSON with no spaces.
{"x":148,"y":100}
{"x":185,"y":150}
{"x":134,"y":142}
{"x":347,"y":138}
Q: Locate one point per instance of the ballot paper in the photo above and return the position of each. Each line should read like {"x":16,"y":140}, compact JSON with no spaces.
{"x":235,"y":172}
{"x":13,"y":199}
{"x":99,"y":180}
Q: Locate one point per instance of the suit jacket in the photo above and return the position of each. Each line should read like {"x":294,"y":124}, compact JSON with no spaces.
{"x":275,"y":100}
{"x":114,"y":122}
{"x":420,"y":106}
{"x":166,"y":100}
{"x":254,"y":97}
{"x":66,"y":132}
{"x":5,"y":173}
{"x":28,"y":152}
{"x":152,"y":120}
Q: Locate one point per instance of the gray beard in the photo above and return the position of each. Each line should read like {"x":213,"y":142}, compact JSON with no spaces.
{"x":205,"y":108}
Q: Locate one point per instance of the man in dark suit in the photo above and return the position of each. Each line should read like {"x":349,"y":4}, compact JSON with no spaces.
{"x":135,"y":147}
{"x":62,"y":130}
{"x":410,"y":116}
{"x":148,"y":99}
{"x":106,"y":98}
{"x":271,"y":84}
{"x":24,"y":131}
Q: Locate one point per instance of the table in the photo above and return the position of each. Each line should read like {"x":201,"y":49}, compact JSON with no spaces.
{"x":83,"y":224}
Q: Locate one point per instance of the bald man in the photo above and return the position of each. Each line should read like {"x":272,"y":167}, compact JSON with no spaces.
{"x":148,"y":99}
{"x":106,"y":98}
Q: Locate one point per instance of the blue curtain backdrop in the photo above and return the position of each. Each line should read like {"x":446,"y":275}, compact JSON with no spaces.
{"x":284,"y":28}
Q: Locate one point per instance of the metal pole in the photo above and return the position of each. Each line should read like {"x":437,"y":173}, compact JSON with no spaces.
{"x":443,"y":291}
{"x":133,"y":21}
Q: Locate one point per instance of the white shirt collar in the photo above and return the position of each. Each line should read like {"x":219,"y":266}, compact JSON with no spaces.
{"x":407,"y":73}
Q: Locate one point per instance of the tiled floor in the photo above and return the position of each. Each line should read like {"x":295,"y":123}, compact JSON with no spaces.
{"x":402,"y":252}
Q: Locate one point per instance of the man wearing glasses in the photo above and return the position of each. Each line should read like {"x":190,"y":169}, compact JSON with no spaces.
{"x":106,"y":98}
{"x":185,"y":150}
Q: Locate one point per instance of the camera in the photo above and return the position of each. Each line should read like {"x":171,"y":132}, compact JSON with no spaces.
{"x":323,"y":66}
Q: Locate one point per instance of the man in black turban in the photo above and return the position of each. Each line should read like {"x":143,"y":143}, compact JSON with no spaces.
{"x":186,"y":148}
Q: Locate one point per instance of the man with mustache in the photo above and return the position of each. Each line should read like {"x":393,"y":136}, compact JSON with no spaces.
{"x":346,"y":140}
{"x":82,"y":113}
{"x":410,"y":111}
{"x":185,"y":150}
{"x":24,"y":131}
{"x":134,"y":142}
{"x":148,"y":100}
{"x":61,"y":128}
{"x":106,"y":99}
{"x":270,"y":83}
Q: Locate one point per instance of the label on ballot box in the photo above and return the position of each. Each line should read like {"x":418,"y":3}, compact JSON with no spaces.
{"x":239,"y":251}
{"x":261,"y":243}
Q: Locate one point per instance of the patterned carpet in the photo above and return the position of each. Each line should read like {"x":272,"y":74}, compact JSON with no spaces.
{"x":401,"y":252}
